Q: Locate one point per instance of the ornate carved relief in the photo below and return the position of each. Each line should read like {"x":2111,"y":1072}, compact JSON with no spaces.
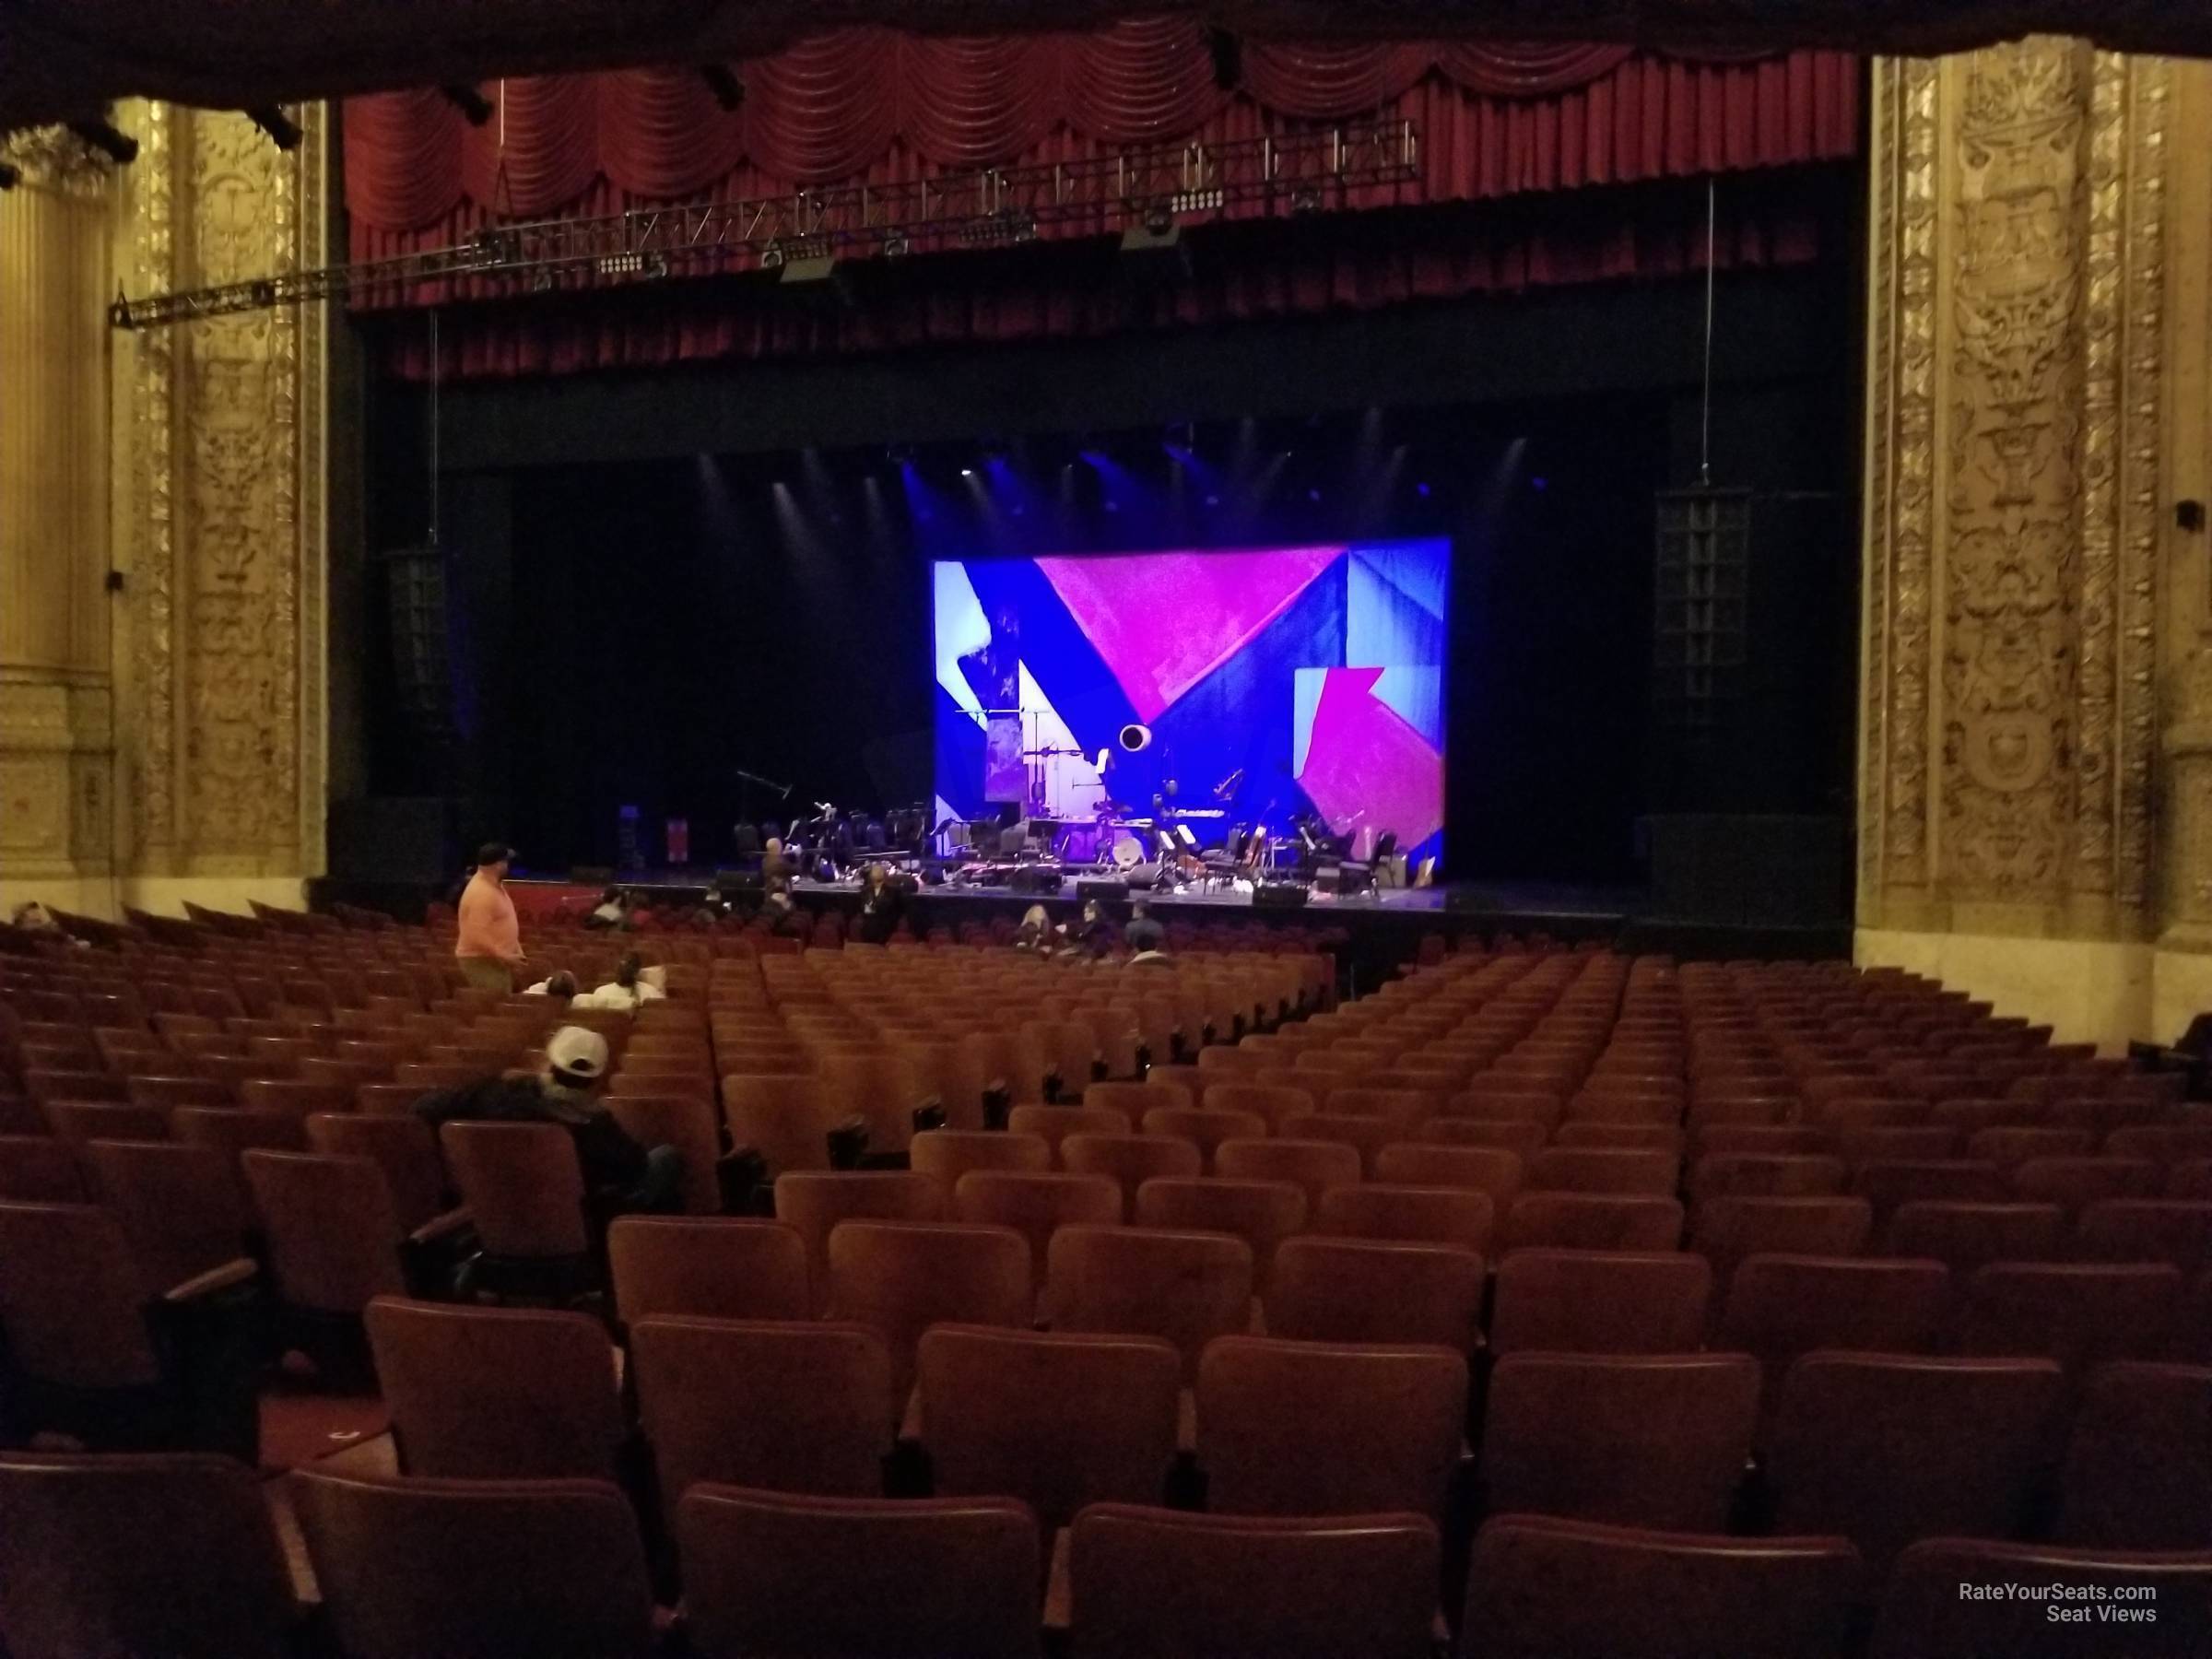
{"x":2013,"y":465}
{"x":224,"y":650}
{"x":2007,"y":664}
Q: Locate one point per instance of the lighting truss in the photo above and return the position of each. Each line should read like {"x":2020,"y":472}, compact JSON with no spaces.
{"x":1295,"y":173}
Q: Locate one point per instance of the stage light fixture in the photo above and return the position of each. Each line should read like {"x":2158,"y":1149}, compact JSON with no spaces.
{"x":282,"y":130}
{"x":476,"y":109}
{"x":1136,"y":737}
{"x":110,"y":140}
{"x":729,"y":91}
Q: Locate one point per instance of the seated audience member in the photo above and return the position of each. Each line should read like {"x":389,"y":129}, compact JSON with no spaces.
{"x":1036,"y":931}
{"x":612,"y":910}
{"x":1094,"y":933}
{"x":620,"y":1176}
{"x":1147,"y":939}
{"x":628,"y":990}
{"x":35,"y":918}
{"x":562,"y":985}
{"x":882,"y":906}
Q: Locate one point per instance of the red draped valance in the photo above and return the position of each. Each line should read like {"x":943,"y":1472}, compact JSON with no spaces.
{"x":874,"y":105}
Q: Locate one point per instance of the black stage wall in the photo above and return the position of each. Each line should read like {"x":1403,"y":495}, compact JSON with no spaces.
{"x":663,"y":577}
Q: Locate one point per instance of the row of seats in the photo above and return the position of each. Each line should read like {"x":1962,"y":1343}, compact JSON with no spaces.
{"x":177,"y":1555}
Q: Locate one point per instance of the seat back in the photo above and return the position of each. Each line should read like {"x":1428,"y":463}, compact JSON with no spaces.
{"x":230,"y":1130}
{"x":718,"y":1267}
{"x":404,"y":1148}
{"x":170,"y":1553}
{"x":1328,"y":1429}
{"x":492,"y":1393}
{"x":1327,"y":1289}
{"x":1782,"y":1307}
{"x":72,"y":1299}
{"x":1053,"y":1125}
{"x":477,"y":1569}
{"x":1966,"y":1236}
{"x":2174,"y":1230}
{"x":2080,"y":1315}
{"x":1541,"y":1587}
{"x":2139,"y":1466}
{"x":1037,"y":1205}
{"x":1592,"y":1222}
{"x":785,"y":1117}
{"x":38,"y":1169}
{"x":1205,"y":1128}
{"x":1412,"y":1214}
{"x":1160,"y":1582}
{"x":1600,"y":1170}
{"x":1186,"y":1287}
{"x":1633,"y":1441}
{"x":1725,"y":1231}
{"x":1922,"y":1613}
{"x":898,"y":1279}
{"x":1312,"y":1166}
{"x":182,"y":1208}
{"x":1130,"y":1160}
{"x":1478,"y":1168}
{"x":1885,"y":1449}
{"x":790,"y":1406}
{"x":522,"y":1184}
{"x":946,"y":1154}
{"x":1600,"y":1302}
{"x":815,"y":1202}
{"x":333,"y":1233}
{"x":820,"y":1577}
{"x":686,"y":1122}
{"x":1058,"y":1421}
{"x":1262,"y":1213}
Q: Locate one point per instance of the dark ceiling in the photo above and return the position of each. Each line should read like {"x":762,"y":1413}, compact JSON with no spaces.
{"x":64,"y":58}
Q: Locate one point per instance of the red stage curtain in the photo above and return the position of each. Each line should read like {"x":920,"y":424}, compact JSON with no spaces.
{"x":875,"y":107}
{"x":1272,"y":271}
{"x":843,"y":106}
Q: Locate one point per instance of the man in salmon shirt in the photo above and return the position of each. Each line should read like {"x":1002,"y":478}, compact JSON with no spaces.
{"x":490,"y":948}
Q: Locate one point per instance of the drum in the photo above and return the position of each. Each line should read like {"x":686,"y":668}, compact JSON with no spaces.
{"x":1128,"y":852}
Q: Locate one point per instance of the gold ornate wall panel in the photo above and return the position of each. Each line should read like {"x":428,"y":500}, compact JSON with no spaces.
{"x":2013,"y":492}
{"x":55,"y":736}
{"x":224,"y":441}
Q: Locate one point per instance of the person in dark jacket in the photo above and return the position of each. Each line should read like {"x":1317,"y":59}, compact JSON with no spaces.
{"x":621,"y":1177}
{"x":882,"y":906}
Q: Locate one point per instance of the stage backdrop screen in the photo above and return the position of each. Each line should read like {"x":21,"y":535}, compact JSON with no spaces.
{"x":1274,"y":681}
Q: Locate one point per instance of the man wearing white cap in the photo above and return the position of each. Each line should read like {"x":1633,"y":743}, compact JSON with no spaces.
{"x":619,"y":1175}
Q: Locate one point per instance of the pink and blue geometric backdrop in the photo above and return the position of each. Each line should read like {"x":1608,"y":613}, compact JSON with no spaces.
{"x":1276,"y":681}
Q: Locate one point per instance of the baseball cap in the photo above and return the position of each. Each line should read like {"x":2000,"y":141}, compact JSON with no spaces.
{"x":578,"y":1051}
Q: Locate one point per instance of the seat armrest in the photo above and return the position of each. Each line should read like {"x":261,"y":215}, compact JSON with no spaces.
{"x":229,"y":1275}
{"x":443,"y":1225}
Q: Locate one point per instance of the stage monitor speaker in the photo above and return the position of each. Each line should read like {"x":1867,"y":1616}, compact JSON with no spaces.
{"x":1110,"y":888}
{"x":1278,"y":895}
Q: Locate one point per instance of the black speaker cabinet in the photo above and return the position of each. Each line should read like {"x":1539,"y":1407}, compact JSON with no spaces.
{"x":1749,"y":869}
{"x":1278,"y":895}
{"x":1111,"y":889}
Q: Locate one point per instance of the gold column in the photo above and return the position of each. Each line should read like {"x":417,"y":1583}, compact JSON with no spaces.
{"x":56,"y":740}
{"x":219,"y":490}
{"x":2017,"y":354}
